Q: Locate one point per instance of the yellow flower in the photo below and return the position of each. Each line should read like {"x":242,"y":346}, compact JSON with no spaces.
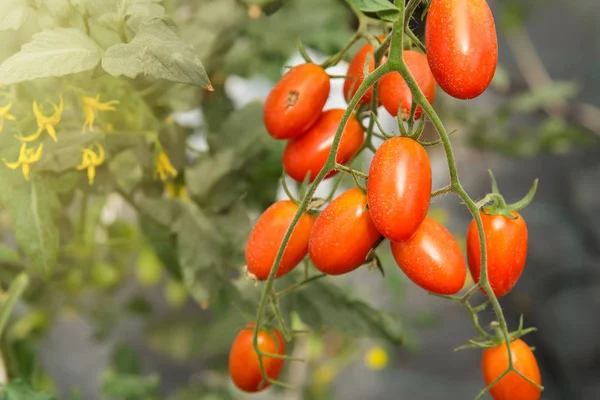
{"x":376,"y":358}
{"x":90,"y":160}
{"x":45,"y":123}
{"x":26,"y":158}
{"x":91,"y":105}
{"x":164,"y":169}
{"x":4,"y":114}
{"x":176,"y":191}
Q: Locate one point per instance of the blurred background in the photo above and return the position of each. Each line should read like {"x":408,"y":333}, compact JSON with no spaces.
{"x":130,"y":326}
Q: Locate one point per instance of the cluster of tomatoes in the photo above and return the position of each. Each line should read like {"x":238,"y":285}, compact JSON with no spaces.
{"x":395,"y":204}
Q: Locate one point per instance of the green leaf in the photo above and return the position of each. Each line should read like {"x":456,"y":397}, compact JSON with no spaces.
{"x":324,"y":305}
{"x":126,"y":170}
{"x":55,"y":52}
{"x":8,"y":254}
{"x":383,"y":8}
{"x":19,"y":390}
{"x":197,"y":391}
{"x":32,"y":206}
{"x":156,"y":51}
{"x":126,"y":387}
{"x":12,"y":14}
{"x":544,"y":96}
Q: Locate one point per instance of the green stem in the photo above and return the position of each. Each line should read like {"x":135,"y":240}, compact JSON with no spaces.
{"x":295,"y":286}
{"x":275,"y":307}
{"x":351,"y":171}
{"x":16,"y":289}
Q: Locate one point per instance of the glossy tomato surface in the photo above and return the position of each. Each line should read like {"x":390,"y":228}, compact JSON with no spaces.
{"x":394,"y":92}
{"x":343,"y":234}
{"x":309,"y":152}
{"x":462,"y":47}
{"x":506,"y":241}
{"x":512,"y":386}
{"x":296,"y":101}
{"x":267,"y":235}
{"x":399,"y":187}
{"x":355,"y":74}
{"x":244,"y":367}
{"x":432,"y":259}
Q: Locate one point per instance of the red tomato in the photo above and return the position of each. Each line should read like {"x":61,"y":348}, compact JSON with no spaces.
{"x":309,"y":152}
{"x":267,"y":235}
{"x":355,"y":74}
{"x":462,"y":47}
{"x":296,"y":101}
{"x":399,"y":187}
{"x":244,"y":367}
{"x":343,"y":234}
{"x":506,"y":244}
{"x":394,"y":92}
{"x":432,"y":259}
{"x":512,"y":386}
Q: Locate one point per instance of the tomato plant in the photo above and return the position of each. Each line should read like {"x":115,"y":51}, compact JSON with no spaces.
{"x":512,"y":386}
{"x":399,"y":187}
{"x":506,"y":244}
{"x":432,"y":259}
{"x":462,"y":47}
{"x":307,"y":154}
{"x":295,"y":102}
{"x":343,"y":234}
{"x":267,"y":235}
{"x":395,"y":94}
{"x":244,"y":367}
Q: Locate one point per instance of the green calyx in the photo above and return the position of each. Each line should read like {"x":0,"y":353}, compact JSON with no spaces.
{"x":494,"y":203}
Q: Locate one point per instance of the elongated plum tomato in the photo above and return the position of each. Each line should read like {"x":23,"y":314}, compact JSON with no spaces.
{"x":506,"y":244}
{"x":244,"y":367}
{"x":511,"y":386}
{"x":462,"y":47}
{"x":309,"y":152}
{"x":296,"y":101}
{"x":343,"y":234}
{"x":432,"y":259}
{"x":355,"y":74}
{"x":267,"y":235}
{"x":394,"y":92}
{"x":399,"y":187}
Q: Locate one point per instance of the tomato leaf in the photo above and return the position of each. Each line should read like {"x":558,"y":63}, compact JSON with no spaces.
{"x":65,"y":154}
{"x":126,"y":386}
{"x":53,"y":52}
{"x":12,"y":14}
{"x":19,"y":390}
{"x":321,"y":304}
{"x":383,"y":8}
{"x":156,"y":51}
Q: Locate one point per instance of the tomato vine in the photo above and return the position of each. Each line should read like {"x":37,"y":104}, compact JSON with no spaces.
{"x":394,"y":63}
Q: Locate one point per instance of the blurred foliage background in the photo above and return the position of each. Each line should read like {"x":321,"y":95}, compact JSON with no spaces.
{"x":136,"y":285}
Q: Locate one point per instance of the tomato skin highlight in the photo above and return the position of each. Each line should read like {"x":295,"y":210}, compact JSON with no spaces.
{"x":432,"y":259}
{"x":393,"y":90}
{"x":343,"y":234}
{"x":244,"y":367}
{"x":506,"y":243}
{"x":309,"y":152}
{"x":512,"y":386}
{"x":462,"y":46}
{"x":399,"y":187}
{"x":267,"y":235}
{"x":296,"y":101}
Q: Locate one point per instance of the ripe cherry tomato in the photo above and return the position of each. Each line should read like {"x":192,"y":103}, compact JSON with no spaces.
{"x":296,"y":101}
{"x":511,"y":386}
{"x":506,"y":241}
{"x":462,"y":47}
{"x":399,"y":187}
{"x":343,"y":234}
{"x":432,"y":259}
{"x":244,"y":367}
{"x":394,"y":92}
{"x":355,"y":74}
{"x":309,"y":152}
{"x":267,"y":235}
